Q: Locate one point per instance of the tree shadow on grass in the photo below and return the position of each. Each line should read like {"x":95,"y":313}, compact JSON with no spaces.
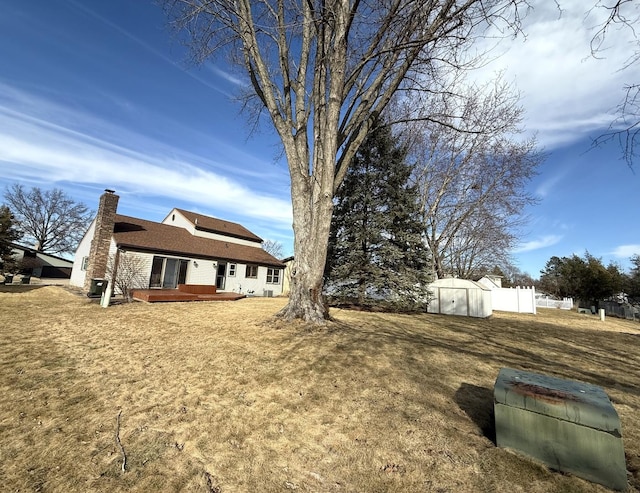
{"x":477,"y":403}
{"x":19,"y":288}
{"x":605,"y":359}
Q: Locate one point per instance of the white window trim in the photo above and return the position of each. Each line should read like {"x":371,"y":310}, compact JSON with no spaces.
{"x":252,"y":266}
{"x":277,"y":273}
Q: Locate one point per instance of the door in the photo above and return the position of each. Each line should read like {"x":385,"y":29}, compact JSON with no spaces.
{"x":170,"y":278}
{"x":156,"y":272}
{"x":453,"y":301}
{"x":167,"y":273}
{"x":182,"y":271}
{"x":220,"y":275}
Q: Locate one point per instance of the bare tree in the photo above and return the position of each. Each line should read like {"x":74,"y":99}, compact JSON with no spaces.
{"x":482,"y":241}
{"x":472,"y":175}
{"x":127,"y":271}
{"x":274,"y":248}
{"x":50,"y":219}
{"x":322,"y":70}
{"x":625,"y":129}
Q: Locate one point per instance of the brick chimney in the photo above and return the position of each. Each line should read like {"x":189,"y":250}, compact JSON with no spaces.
{"x":99,"y":253}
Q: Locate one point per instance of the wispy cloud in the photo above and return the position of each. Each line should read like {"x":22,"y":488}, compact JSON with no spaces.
{"x":568,"y":95}
{"x":542,"y":242}
{"x":146,"y":46}
{"x":37,"y":146}
{"x":626,"y":251}
{"x":236,"y":81}
{"x":545,"y":188}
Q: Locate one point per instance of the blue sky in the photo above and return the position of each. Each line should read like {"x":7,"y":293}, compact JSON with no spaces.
{"x":97,"y":94}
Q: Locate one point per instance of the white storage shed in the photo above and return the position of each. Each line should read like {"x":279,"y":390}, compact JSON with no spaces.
{"x":462,"y":297}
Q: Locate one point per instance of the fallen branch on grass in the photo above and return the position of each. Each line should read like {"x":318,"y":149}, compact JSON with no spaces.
{"x":124,"y":457}
{"x":211,"y":487}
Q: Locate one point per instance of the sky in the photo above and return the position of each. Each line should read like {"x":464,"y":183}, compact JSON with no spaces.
{"x":100,"y":95}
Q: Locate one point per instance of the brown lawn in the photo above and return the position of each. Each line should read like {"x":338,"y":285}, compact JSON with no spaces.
{"x":214,"y":399}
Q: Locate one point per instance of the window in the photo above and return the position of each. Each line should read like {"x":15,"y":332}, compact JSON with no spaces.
{"x":251,"y":272}
{"x":232,"y":270}
{"x":85,"y":263}
{"x":273,"y":276}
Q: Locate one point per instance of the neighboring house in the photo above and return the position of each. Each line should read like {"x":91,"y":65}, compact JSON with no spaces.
{"x":491,"y":281}
{"x":185,"y":248}
{"x":39,"y":264}
{"x":286,"y":278}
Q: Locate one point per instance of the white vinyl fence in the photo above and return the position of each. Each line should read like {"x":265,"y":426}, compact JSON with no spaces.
{"x":519,"y":299}
{"x":563,"y":304}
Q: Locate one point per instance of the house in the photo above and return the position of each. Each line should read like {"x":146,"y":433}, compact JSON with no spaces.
{"x":32,"y":262}
{"x":185,"y":248}
{"x":491,"y":281}
{"x":286,"y":278}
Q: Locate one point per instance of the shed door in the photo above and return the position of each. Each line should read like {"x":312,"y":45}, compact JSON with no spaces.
{"x":453,"y":301}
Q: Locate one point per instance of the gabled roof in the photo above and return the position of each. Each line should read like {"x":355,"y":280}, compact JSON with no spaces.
{"x":455,"y":282}
{"x":489,"y":282}
{"x":139,"y":234}
{"x":17,"y":246}
{"x":213,"y":225}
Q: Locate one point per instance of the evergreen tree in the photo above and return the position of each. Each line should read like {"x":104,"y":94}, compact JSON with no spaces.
{"x":376,"y":252}
{"x":585,"y":279}
{"x":633,"y":287}
{"x":8,"y":234}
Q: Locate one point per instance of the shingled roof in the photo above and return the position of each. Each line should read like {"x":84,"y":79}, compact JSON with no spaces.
{"x":139,"y":234}
{"x":213,"y":225}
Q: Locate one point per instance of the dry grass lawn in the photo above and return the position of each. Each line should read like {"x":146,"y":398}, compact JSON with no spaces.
{"x":213,"y":399}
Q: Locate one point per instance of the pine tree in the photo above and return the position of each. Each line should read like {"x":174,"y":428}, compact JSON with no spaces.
{"x":376,"y":251}
{"x":633,"y":287}
{"x":8,"y":234}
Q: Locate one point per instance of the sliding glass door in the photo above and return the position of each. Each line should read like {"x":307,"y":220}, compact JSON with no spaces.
{"x":168,"y":272}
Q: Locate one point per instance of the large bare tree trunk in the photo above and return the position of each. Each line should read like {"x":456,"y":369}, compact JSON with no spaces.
{"x":312,"y":201}
{"x":311,"y":230}
{"x":312,"y":189}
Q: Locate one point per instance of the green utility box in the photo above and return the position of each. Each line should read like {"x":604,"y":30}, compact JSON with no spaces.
{"x":570,"y":426}
{"x":96,"y":288}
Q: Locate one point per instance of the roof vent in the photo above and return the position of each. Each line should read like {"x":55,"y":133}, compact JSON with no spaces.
{"x":108,"y":190}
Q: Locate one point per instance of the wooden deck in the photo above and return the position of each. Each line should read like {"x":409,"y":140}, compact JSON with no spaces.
{"x":156,"y":295}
